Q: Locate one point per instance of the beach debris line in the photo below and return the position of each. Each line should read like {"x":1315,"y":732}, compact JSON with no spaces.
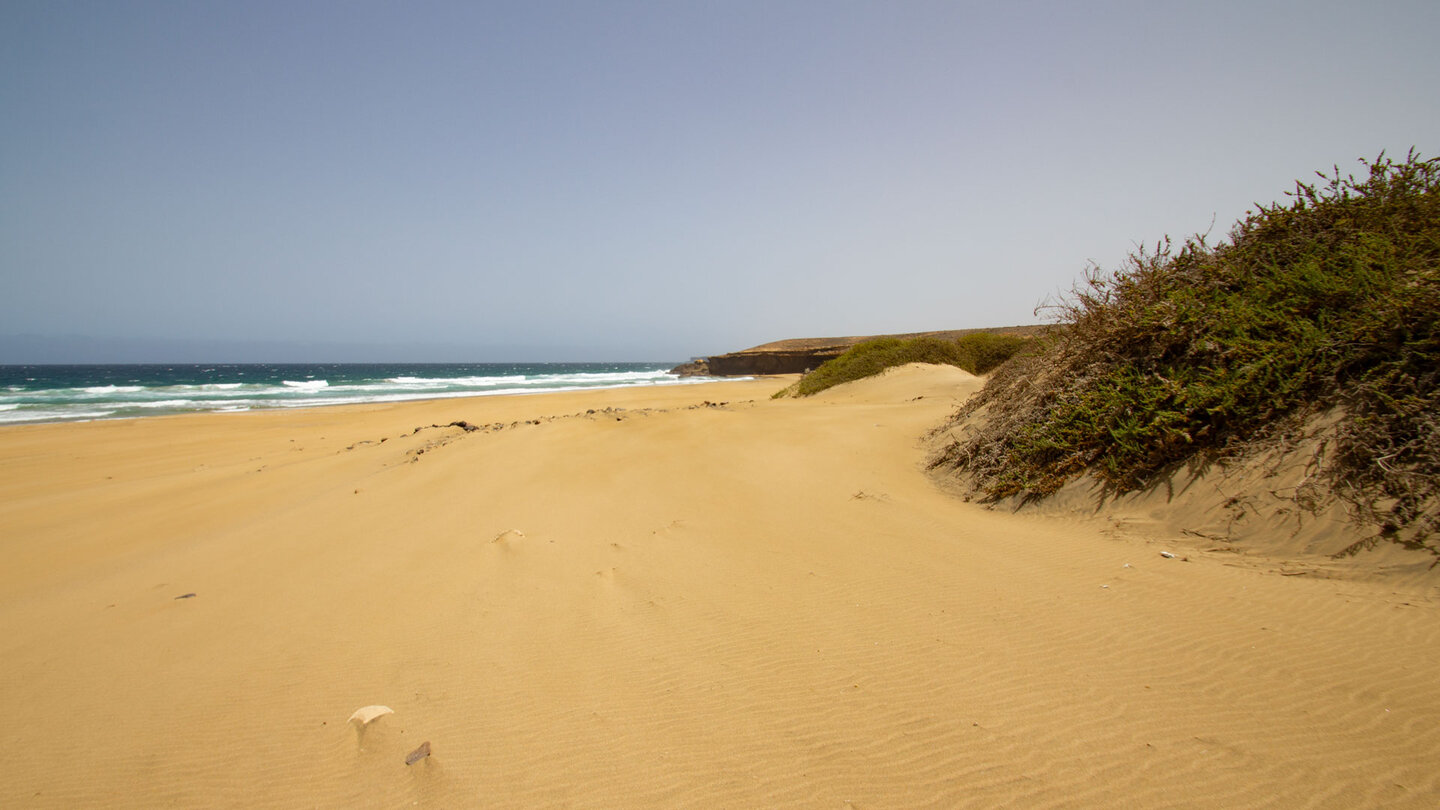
{"x":364,"y":715}
{"x":619,"y":414}
{"x":418,"y":754}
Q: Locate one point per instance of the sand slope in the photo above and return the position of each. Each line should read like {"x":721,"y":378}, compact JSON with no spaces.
{"x":765,"y":603}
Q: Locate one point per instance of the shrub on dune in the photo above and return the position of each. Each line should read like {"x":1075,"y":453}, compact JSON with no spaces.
{"x":977,"y":353}
{"x":1327,"y":303}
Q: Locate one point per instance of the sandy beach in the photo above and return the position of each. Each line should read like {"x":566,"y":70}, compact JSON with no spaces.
{"x":687,"y":596}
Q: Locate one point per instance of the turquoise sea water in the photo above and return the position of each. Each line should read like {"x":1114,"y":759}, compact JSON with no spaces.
{"x":31,"y":394}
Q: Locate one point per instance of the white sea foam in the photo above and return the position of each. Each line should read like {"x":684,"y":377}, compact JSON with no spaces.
{"x":307,"y":385}
{"x":489,"y":382}
{"x":13,"y":417}
{"x":449,"y":382}
{"x":18,"y":405}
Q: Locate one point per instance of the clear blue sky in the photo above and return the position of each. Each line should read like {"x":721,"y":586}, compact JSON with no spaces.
{"x":642,"y":180}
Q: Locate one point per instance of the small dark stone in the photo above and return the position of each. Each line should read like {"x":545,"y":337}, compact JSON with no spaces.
{"x":418,"y":754}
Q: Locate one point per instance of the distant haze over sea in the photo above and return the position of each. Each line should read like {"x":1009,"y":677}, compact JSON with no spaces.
{"x":42,"y":350}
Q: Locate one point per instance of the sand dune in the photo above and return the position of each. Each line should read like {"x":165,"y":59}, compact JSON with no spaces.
{"x":640,"y":598}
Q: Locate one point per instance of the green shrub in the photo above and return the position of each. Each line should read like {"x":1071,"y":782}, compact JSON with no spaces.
{"x":976,"y":352}
{"x":1331,"y":300}
{"x":983,"y":352}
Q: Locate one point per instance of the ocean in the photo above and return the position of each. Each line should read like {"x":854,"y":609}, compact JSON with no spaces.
{"x":69,"y":393}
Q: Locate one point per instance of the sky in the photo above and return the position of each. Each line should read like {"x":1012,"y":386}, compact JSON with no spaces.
{"x":479,"y":181}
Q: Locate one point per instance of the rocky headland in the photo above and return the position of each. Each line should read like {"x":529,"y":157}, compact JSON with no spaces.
{"x":800,"y":355}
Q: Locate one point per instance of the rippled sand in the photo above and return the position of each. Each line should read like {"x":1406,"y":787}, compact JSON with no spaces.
{"x":640,"y":599}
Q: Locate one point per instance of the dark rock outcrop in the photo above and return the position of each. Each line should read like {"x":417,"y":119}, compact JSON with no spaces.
{"x":773,"y":361}
{"x":699,"y":367}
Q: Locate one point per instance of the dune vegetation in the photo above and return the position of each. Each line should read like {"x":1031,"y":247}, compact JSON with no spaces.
{"x":976,"y":352}
{"x":1323,"y":306}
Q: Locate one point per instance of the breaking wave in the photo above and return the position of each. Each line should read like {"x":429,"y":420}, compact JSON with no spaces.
{"x":72,"y":393}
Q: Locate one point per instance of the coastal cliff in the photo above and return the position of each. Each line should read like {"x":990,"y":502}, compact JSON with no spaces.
{"x":801,"y":355}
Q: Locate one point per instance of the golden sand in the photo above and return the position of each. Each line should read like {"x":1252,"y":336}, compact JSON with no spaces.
{"x":765,"y":603}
